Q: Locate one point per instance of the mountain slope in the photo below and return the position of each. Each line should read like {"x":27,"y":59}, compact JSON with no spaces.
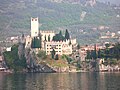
{"x":15,"y":16}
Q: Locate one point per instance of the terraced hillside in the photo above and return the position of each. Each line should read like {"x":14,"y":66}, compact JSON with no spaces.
{"x":15,"y":18}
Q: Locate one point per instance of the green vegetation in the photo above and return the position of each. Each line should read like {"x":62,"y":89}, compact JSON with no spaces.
{"x":36,"y":43}
{"x":53,"y":16}
{"x":67,"y":36}
{"x":53,"y":54}
{"x":65,"y":57}
{"x":13,"y":61}
{"x":59,"y":37}
{"x":111,"y":55}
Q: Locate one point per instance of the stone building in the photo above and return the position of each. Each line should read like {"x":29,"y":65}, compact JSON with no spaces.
{"x":61,"y":47}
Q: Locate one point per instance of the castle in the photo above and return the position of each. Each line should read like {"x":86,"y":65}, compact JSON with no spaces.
{"x":46,"y":40}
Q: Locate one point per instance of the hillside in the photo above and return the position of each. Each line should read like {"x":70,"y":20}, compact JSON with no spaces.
{"x":15,"y":18}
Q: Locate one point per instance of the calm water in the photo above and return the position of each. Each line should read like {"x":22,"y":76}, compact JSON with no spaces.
{"x":60,"y":81}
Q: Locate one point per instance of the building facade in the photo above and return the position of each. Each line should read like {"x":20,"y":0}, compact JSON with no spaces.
{"x":60,"y":47}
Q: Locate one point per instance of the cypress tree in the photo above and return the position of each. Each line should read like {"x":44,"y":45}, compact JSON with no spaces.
{"x":53,"y":53}
{"x":49,"y":38}
{"x":67,"y":36}
{"x":45,"y":38}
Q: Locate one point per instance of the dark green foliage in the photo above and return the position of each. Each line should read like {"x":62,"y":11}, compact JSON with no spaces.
{"x":59,"y":37}
{"x":67,"y":36}
{"x":12,"y":59}
{"x":45,"y":38}
{"x":53,"y":54}
{"x":78,"y":46}
{"x":100,"y":53}
{"x":88,"y":55}
{"x":107,"y":45}
{"x":56,"y":57}
{"x":70,"y":43}
{"x":108,"y":53}
{"x":42,"y":54}
{"x":115,"y":51}
{"x":49,"y":38}
{"x":69,"y":60}
{"x":36,"y":43}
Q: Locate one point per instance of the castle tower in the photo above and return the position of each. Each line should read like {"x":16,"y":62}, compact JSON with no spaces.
{"x":34,"y":27}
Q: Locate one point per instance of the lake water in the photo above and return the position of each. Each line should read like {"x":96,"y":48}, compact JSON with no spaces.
{"x":60,"y":81}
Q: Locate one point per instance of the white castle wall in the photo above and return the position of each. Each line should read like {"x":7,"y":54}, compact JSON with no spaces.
{"x":47,"y":34}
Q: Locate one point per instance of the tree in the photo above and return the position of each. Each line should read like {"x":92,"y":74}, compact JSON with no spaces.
{"x":59,"y":37}
{"x":49,"y":38}
{"x":99,"y":53}
{"x":56,"y":57}
{"x":67,"y":36}
{"x":12,"y":59}
{"x":95,"y":53}
{"x":78,"y":46}
{"x":36,"y":42}
{"x":88,"y":55}
{"x":53,"y":53}
{"x":116,"y":51}
{"x":70,"y":43}
{"x":45,"y":38}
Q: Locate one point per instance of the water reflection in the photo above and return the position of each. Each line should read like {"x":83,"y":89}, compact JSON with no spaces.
{"x":60,"y":81}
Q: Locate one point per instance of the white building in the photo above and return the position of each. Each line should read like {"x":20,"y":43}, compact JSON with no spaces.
{"x":60,"y":47}
{"x":45,"y":35}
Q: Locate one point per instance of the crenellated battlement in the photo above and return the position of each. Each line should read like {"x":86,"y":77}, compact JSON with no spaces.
{"x":47,"y":32}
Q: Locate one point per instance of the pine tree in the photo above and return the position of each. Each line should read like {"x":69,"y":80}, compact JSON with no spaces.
{"x":67,"y":36}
